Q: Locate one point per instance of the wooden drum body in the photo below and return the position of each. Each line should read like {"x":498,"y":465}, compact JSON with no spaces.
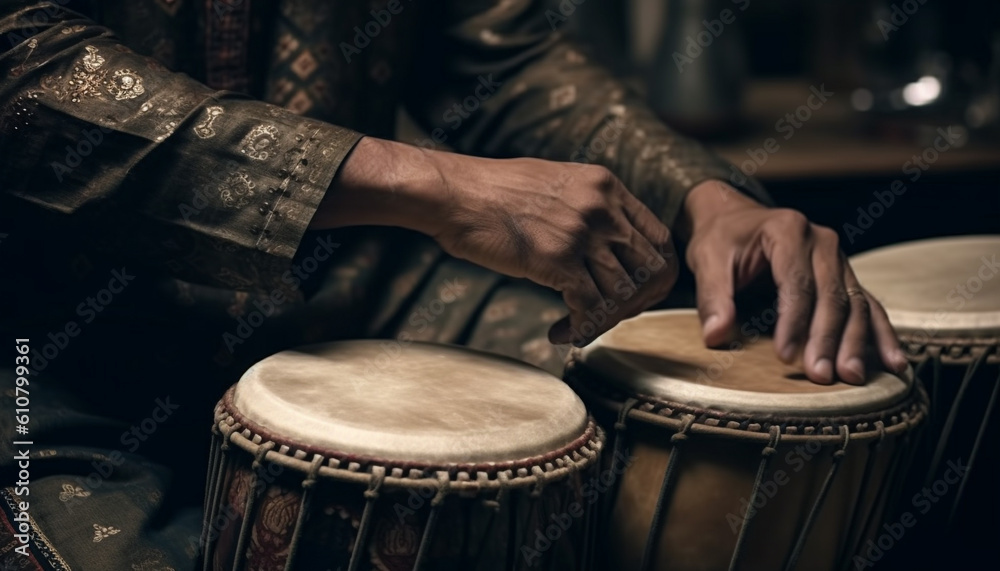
{"x":943,"y":298}
{"x":711,"y":434}
{"x":337,"y":456}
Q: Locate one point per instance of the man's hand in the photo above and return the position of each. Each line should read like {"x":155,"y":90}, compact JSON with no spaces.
{"x":824,"y":314}
{"x":570,"y":227}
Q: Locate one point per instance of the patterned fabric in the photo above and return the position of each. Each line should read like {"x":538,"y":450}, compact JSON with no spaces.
{"x":161,"y":161}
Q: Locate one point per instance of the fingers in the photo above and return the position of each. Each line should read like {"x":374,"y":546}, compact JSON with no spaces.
{"x":885,"y":340}
{"x":831,"y":314}
{"x":581,"y":295}
{"x":791,"y":266}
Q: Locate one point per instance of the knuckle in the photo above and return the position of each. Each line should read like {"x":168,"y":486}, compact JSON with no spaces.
{"x":600,"y":176}
{"x":792,"y":220}
{"x":826,"y":235}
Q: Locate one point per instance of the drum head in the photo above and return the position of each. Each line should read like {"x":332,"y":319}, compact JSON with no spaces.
{"x":661,"y":354}
{"x":419,"y":403}
{"x":946,"y":286}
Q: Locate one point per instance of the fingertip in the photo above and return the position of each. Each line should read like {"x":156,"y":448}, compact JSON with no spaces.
{"x":897,"y":361}
{"x":716,"y":329}
{"x":788,"y":352}
{"x":822,"y":372}
{"x":854,"y":372}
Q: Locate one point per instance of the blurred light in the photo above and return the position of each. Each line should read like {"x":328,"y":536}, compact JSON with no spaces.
{"x":923,"y":91}
{"x":862,"y":99}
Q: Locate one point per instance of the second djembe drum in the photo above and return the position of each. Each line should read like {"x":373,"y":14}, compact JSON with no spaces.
{"x":737,"y":461}
{"x":373,"y":455}
{"x":943,"y":298}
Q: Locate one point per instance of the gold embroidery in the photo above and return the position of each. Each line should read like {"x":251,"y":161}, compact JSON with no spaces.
{"x":85,"y":82}
{"x":101,"y":532}
{"x":92,"y":61}
{"x":125,"y":84}
{"x":259,"y":142}
{"x":237,"y":190}
{"x":204,"y":129}
{"x":69,"y":491}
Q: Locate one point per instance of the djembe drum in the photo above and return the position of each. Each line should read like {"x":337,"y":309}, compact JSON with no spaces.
{"x":943,"y":298}
{"x":350,"y":456}
{"x":735,"y":459}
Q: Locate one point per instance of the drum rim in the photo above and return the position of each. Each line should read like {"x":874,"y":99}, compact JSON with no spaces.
{"x":955,"y":328}
{"x":903,"y":415}
{"x":534,"y":470}
{"x":881,"y":393}
{"x":956,"y":350}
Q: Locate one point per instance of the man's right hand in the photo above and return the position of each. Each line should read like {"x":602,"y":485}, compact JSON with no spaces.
{"x":570,"y":227}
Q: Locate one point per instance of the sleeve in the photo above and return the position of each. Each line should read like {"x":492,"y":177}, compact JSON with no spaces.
{"x":500,"y":79}
{"x":217,"y":188}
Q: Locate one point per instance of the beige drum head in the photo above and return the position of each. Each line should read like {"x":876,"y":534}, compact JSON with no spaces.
{"x":419,"y":403}
{"x":661,"y":354}
{"x":948,"y":287}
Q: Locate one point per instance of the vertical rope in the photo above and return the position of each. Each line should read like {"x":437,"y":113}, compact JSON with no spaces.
{"x":970,"y":371}
{"x":838,"y":456}
{"x":213,"y":456}
{"x":248,"y":516}
{"x":975,"y":450}
{"x":621,"y":425}
{"x":226,"y":462}
{"x":371,"y":494}
{"x":852,"y":545}
{"x":494,"y":506}
{"x":307,"y":493}
{"x":668,"y":477}
{"x":436,"y":502}
{"x":765,"y":459}
{"x":210,"y":484}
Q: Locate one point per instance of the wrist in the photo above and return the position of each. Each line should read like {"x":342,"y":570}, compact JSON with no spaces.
{"x":384,"y":183}
{"x":708,"y":200}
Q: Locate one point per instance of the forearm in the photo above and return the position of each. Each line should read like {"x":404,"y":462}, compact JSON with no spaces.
{"x":385,"y":183}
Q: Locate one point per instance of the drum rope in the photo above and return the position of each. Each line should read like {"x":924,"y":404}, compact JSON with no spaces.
{"x":616,"y":453}
{"x":874,"y":447}
{"x":765,"y":460}
{"x":838,"y":456}
{"x":676,"y":439}
{"x":975,"y":450}
{"x":942,"y":443}
{"x":213,"y":469}
{"x":436,"y":502}
{"x":226,"y":462}
{"x":371,"y":494}
{"x":308,"y":486}
{"x":239,"y":557}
